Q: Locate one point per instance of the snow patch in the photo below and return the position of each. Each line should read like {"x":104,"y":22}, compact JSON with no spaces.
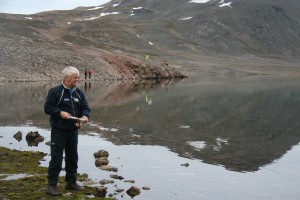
{"x":150,"y":43}
{"x":199,"y":1}
{"x":101,"y":15}
{"x":220,"y":142}
{"x":137,"y":8}
{"x":96,"y":8}
{"x":184,"y":126}
{"x":225,"y":4}
{"x":117,"y":4}
{"x":197,"y":144}
{"x":28,"y":18}
{"x":112,"y":13}
{"x":185,"y":18}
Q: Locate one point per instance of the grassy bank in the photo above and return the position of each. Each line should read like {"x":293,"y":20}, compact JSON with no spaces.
{"x":34,"y":182}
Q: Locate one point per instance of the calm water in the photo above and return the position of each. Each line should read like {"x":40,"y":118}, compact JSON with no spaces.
{"x":240,"y":136}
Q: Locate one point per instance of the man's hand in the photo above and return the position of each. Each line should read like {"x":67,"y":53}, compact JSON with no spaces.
{"x":84,"y":119}
{"x":65,"y":115}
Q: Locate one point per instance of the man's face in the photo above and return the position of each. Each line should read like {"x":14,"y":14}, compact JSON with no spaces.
{"x":71,"y":81}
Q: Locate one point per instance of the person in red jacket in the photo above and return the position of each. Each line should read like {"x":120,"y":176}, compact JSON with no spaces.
{"x":90,"y":73}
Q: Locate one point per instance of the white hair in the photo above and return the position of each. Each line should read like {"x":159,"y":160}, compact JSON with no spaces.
{"x":68,"y":71}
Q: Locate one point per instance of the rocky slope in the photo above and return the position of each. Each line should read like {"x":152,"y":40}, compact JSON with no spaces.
{"x":114,"y":39}
{"x":28,"y":59}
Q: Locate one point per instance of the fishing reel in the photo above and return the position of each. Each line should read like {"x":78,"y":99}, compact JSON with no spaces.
{"x":77,"y":124}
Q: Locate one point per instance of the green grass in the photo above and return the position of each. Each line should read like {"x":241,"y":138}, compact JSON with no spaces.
{"x":34,"y":186}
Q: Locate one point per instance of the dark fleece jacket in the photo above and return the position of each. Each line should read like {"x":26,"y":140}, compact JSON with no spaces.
{"x":69,"y":100}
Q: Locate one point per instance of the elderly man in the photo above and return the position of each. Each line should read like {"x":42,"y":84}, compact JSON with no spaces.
{"x":63,"y":102}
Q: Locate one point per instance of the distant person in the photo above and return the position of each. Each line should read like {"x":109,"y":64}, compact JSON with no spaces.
{"x":90,"y":73}
{"x":85,"y":73}
{"x":62,"y":102}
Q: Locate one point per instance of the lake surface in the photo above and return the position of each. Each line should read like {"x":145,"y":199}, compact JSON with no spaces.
{"x":239,"y":135}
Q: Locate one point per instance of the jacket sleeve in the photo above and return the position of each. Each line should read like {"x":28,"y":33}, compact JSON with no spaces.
{"x":85,"y":110}
{"x":50,"y":104}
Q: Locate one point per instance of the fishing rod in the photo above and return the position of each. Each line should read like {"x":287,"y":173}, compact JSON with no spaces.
{"x":76,"y":118}
{"x":132,"y":131}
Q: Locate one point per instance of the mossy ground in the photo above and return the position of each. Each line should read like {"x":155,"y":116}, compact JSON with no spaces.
{"x":33,"y":186}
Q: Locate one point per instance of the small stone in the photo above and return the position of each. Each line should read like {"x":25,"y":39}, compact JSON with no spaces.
{"x":101,"y":154}
{"x":101,"y":161}
{"x":18,"y":136}
{"x":185,"y":164}
{"x":115,"y":176}
{"x":69,"y":194}
{"x":100,"y":191}
{"x":109,"y":168}
{"x":119,"y":190}
{"x":145,"y":188}
{"x":129,"y":181}
{"x":105,"y":181}
{"x":33,"y":138}
{"x":133,"y":191}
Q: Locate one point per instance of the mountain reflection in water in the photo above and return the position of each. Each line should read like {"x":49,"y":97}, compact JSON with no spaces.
{"x":239,"y":124}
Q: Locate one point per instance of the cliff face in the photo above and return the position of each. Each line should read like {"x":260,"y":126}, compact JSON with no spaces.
{"x":114,"y":39}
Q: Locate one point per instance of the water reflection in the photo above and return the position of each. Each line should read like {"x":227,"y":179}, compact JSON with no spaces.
{"x":87,"y":86}
{"x":239,"y":124}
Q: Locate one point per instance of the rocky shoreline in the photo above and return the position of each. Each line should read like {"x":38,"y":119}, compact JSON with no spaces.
{"x":33,"y":176}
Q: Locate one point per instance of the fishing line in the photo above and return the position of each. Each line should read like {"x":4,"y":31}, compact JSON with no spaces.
{"x":132,"y":131}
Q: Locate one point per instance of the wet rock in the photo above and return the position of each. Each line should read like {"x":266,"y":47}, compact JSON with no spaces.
{"x":145,"y":188}
{"x":115,"y":176}
{"x":101,"y":154}
{"x":88,"y":181}
{"x":119,"y":190}
{"x":85,"y":180}
{"x":100,"y":191}
{"x":18,"y":136}
{"x":101,"y":161}
{"x":69,"y":194}
{"x":109,"y":168}
{"x":111,"y":195}
{"x":105,"y":181}
{"x":133,"y":191}
{"x":185,"y":164}
{"x":32,"y":135}
{"x":83,"y":177}
{"x":33,"y":138}
{"x":48,"y":143}
{"x":129,"y":181}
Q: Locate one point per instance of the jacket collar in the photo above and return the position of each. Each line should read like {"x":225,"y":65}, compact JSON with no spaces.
{"x":73,"y":88}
